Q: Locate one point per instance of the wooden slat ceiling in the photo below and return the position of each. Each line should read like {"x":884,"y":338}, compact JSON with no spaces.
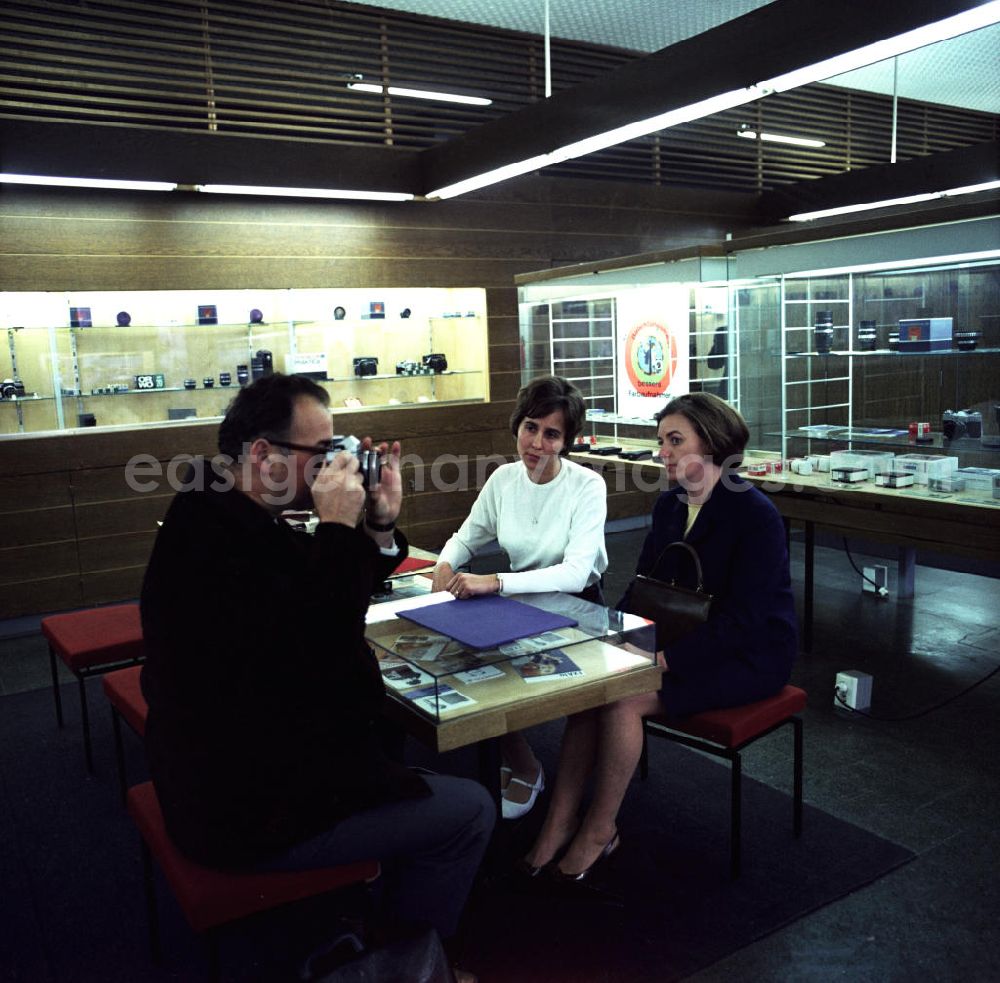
{"x":279,"y":68}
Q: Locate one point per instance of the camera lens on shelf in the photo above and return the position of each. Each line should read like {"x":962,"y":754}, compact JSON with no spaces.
{"x":242,"y":374}
{"x":966,"y":340}
{"x":209,"y":382}
{"x":190,"y":383}
{"x":823,"y":332}
{"x":894,"y":341}
{"x":225,"y":379}
{"x":867,"y":336}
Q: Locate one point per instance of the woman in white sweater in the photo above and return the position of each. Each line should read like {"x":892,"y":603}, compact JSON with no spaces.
{"x":547,"y":514}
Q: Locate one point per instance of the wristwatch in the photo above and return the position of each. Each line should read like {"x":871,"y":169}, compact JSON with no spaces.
{"x":500,"y":582}
{"x":380,"y":526}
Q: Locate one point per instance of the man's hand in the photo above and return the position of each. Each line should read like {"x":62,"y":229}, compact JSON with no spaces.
{"x":472,"y":584}
{"x":337,"y":491}
{"x":443,"y":575}
{"x":386,"y":498}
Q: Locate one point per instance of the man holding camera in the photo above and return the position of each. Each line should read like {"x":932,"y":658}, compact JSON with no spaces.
{"x":264,"y":733}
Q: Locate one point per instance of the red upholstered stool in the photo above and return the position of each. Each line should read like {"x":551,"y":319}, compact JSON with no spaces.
{"x":211,"y":899}
{"x":725,"y":733}
{"x":89,"y":643}
{"x":122,"y":689}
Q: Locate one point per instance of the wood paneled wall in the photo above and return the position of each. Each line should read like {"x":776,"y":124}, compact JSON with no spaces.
{"x":73,"y":533}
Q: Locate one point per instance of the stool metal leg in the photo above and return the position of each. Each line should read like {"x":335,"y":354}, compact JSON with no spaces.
{"x":116,"y":726}
{"x":736,"y":815}
{"x":155,"y":951}
{"x":85,"y":718}
{"x":212,"y":955}
{"x":55,"y":686}
{"x":797,"y":766}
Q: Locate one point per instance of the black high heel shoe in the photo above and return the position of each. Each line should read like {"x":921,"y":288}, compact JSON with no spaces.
{"x":523,"y":869}
{"x":561,"y":877}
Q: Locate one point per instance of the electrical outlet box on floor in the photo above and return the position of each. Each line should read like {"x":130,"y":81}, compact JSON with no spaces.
{"x":853,"y":689}
{"x":875,"y":579}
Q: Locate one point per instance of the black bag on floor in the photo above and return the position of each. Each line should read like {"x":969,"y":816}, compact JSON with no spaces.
{"x":418,"y":958}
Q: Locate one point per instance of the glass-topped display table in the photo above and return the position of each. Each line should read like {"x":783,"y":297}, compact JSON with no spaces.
{"x":449,"y":696}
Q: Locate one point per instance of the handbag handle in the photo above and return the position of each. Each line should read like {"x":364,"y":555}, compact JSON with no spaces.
{"x":692,"y":552}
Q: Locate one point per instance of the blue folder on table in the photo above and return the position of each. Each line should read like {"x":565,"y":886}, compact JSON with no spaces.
{"x":486,"y":622}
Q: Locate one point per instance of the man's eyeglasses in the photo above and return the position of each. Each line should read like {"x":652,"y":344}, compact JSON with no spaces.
{"x":325,"y":447}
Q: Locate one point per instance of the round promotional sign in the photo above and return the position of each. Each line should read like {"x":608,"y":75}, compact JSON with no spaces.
{"x":650,"y":358}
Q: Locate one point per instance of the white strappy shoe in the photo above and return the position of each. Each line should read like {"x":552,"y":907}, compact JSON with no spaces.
{"x":514,"y":810}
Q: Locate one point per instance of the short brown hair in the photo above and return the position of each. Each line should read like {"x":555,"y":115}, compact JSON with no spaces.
{"x":722,"y":430}
{"x":265,"y":409}
{"x":545,"y":395}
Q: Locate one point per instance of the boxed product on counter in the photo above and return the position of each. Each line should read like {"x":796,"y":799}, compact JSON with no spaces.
{"x":949,"y":483}
{"x":925,"y":466}
{"x":894,"y":479}
{"x":979,"y":479}
{"x":848,"y":475}
{"x":872,"y":461}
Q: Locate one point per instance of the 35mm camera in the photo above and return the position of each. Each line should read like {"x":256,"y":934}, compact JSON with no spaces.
{"x":369,"y":461}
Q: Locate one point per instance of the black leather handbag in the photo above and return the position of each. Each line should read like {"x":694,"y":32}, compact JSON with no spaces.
{"x":674,"y":609}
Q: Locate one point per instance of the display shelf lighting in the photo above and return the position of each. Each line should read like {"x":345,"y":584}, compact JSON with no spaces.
{"x":281,"y":192}
{"x":968,"y":189}
{"x":87,"y":182}
{"x":969,"y":20}
{"x":749,"y":133}
{"x":358,"y":84}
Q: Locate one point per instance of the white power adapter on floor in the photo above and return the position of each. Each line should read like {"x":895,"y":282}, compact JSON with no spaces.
{"x":853,"y":689}
{"x":876,"y":580}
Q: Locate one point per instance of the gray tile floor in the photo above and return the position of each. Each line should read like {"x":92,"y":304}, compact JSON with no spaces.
{"x":930,"y":782}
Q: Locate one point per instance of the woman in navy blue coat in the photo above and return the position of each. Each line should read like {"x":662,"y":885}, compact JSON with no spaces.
{"x":743,"y":652}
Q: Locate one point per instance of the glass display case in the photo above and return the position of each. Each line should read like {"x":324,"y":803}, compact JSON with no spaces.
{"x":443,"y":680}
{"x":848,"y":380}
{"x":129,"y":358}
{"x":886,"y":341}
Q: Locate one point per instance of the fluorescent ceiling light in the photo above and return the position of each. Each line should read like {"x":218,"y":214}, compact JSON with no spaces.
{"x":411,"y":93}
{"x":399,"y":90}
{"x":949,"y":27}
{"x":889,"y":202}
{"x":750,"y":134}
{"x":87,"y":182}
{"x":366,"y":87}
{"x":601,"y":141}
{"x":253,"y":189}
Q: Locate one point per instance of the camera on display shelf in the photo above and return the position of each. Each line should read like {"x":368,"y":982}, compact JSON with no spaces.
{"x":435,"y":361}
{"x":11,"y":389}
{"x":956,"y":424}
{"x":365,"y":365}
{"x":407,"y":367}
{"x":370,"y":464}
